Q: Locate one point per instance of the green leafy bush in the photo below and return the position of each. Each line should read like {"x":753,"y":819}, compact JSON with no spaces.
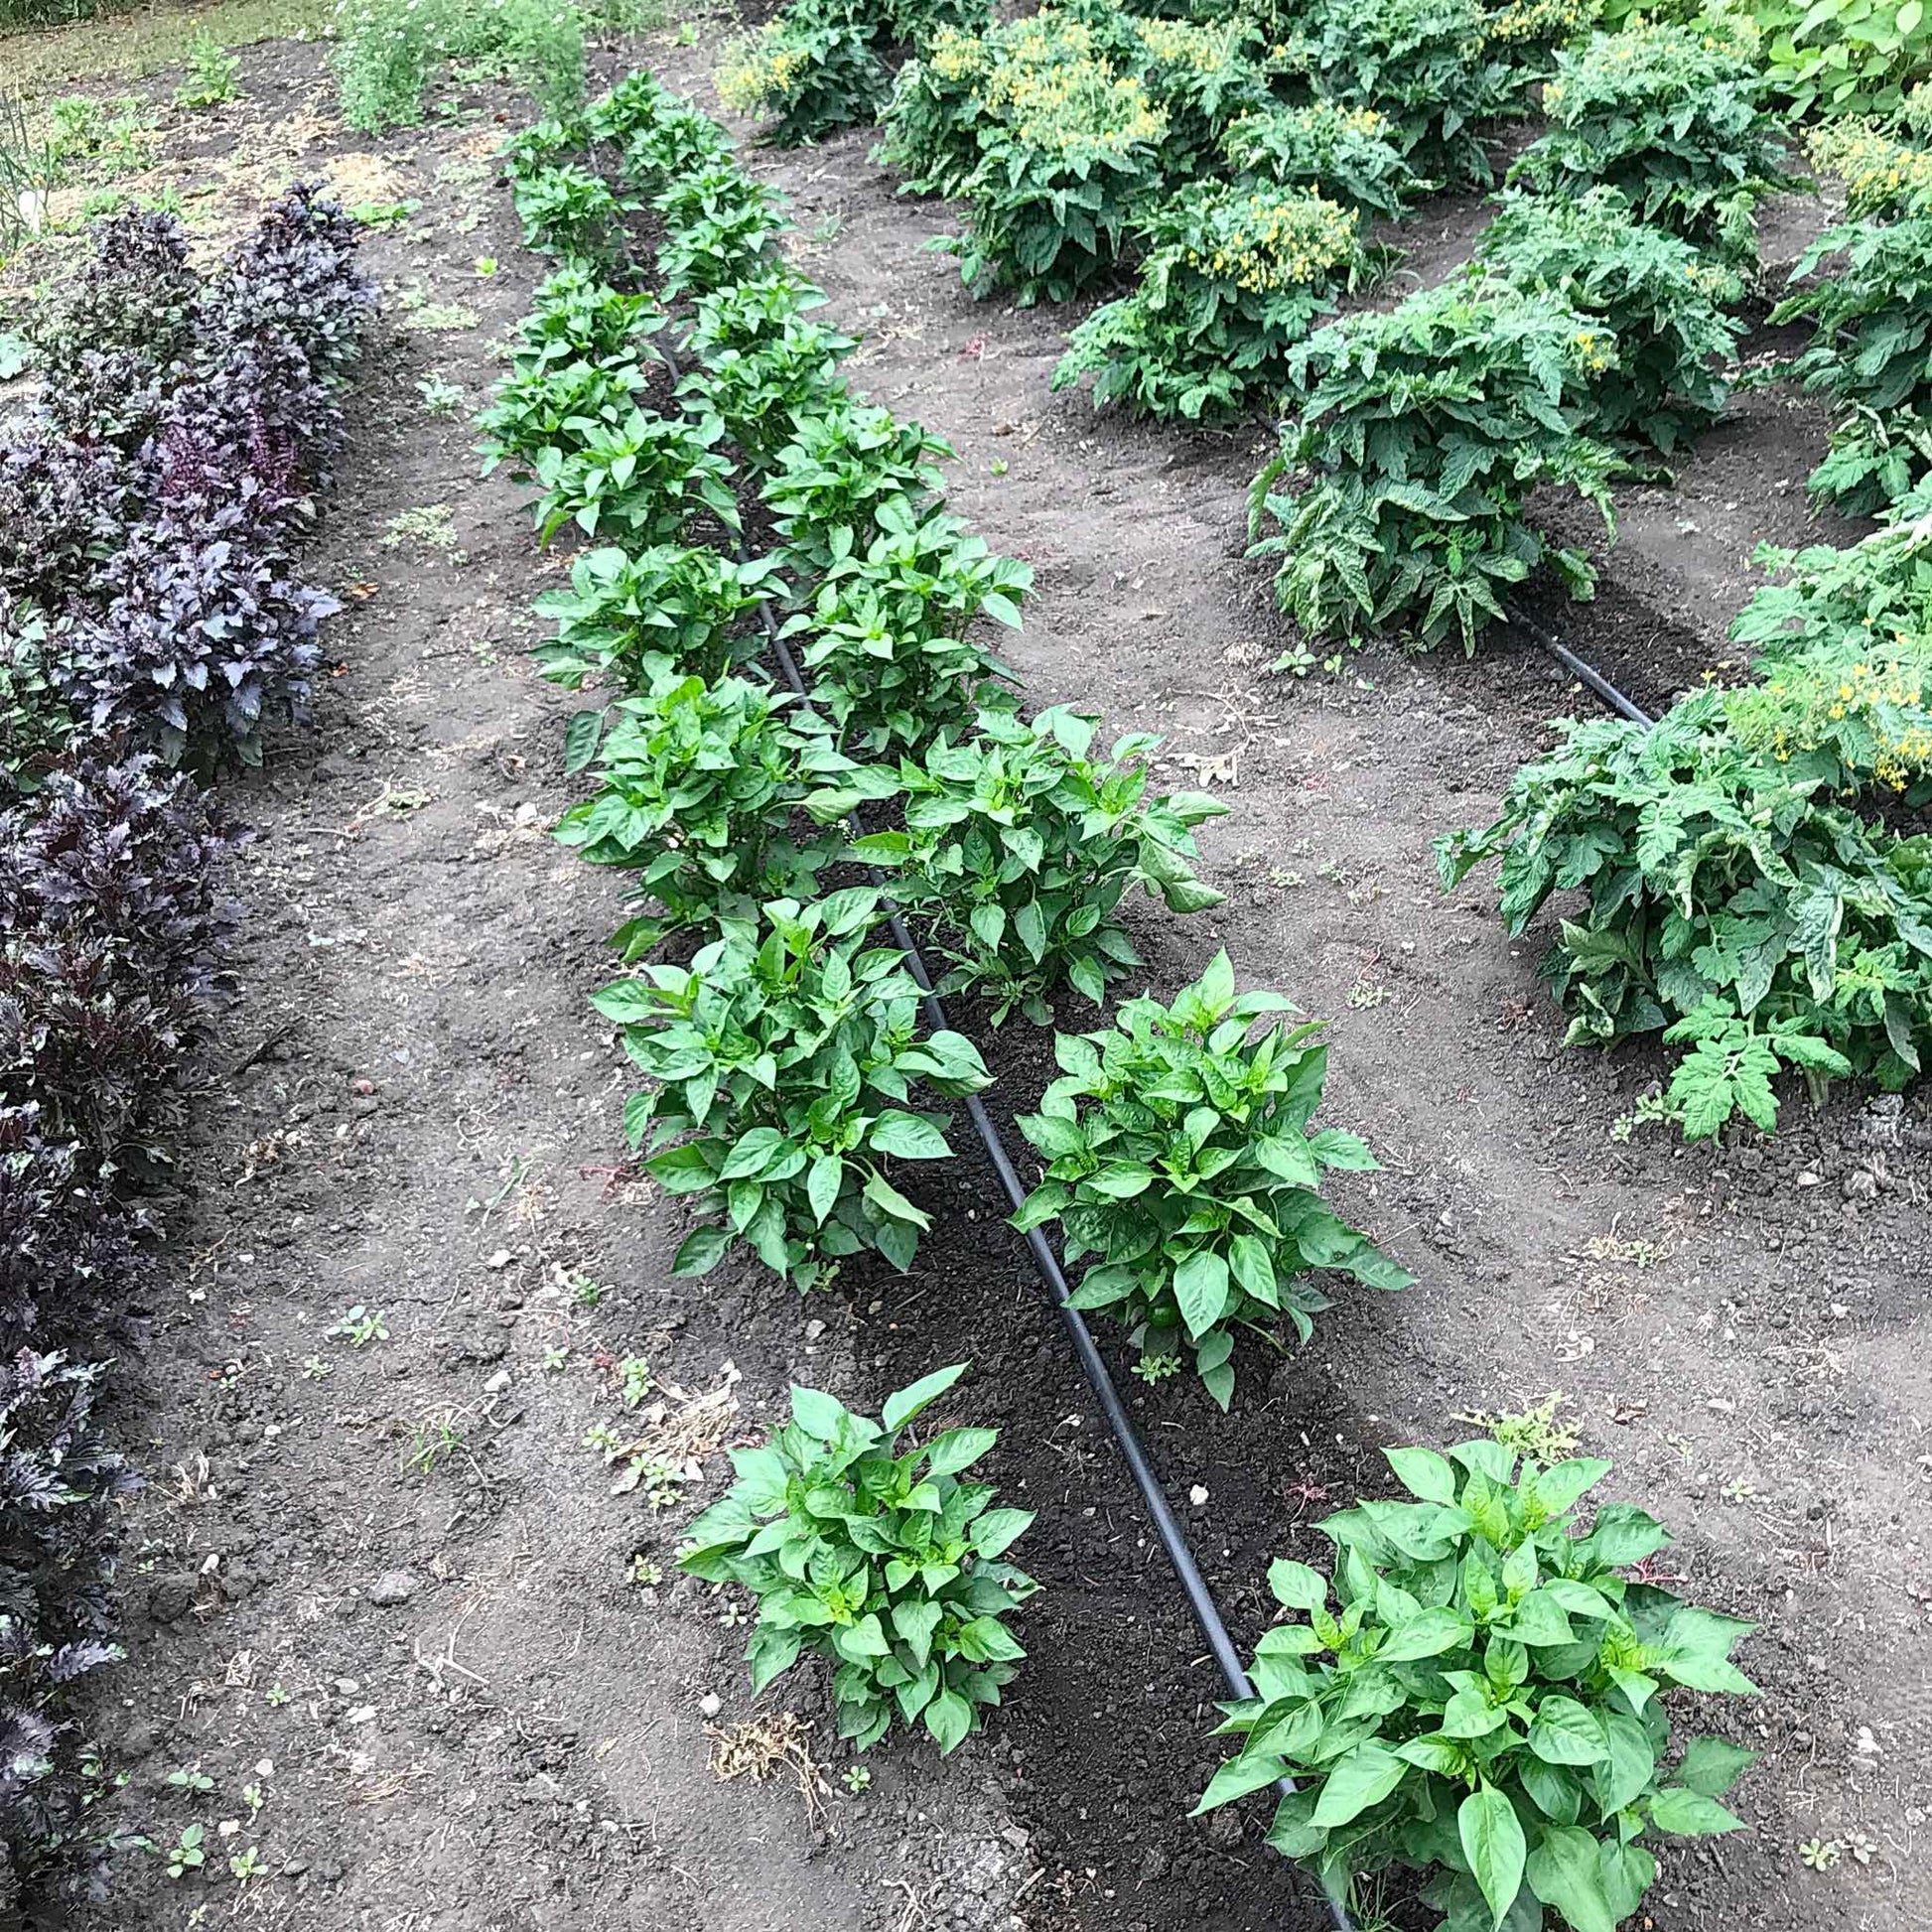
{"x":1870,"y":353}
{"x":1673,"y":119}
{"x":1235,"y":277}
{"x":886,"y":1563}
{"x":810,"y":71}
{"x":1198,"y":74}
{"x":642,"y":478}
{"x":719,"y":225}
{"x":783,"y":1057}
{"x":1021,"y":844}
{"x":1344,"y":154}
{"x":1886,"y":172}
{"x":1178,"y":1154}
{"x":1844,"y":56}
{"x":1526,"y":35}
{"x":1660,"y":300}
{"x":1420,"y":437}
{"x":930,"y":127}
{"x":1054,"y":150}
{"x":1424,"y":66}
{"x":1847,"y":639}
{"x":1733,"y":904}
{"x":631,"y":616}
{"x":763,"y":394}
{"x":697,"y":790}
{"x":1484,"y":1704}
{"x":844,"y":464}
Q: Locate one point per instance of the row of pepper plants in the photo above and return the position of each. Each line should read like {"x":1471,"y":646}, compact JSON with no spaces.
{"x":152,"y":625}
{"x":1752,"y":895}
{"x":1482,"y":1704}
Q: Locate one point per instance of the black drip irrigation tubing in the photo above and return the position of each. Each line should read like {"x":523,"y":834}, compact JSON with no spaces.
{"x":1167,"y":1528}
{"x":1585,"y":674}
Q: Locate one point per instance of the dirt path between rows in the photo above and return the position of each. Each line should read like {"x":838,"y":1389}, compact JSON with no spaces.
{"x":394,"y":1571}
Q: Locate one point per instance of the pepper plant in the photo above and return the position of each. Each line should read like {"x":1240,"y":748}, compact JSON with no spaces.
{"x":1484,"y":1706}
{"x":884,"y":686}
{"x":1178,"y":1154}
{"x":628,"y":615}
{"x":719,"y":225}
{"x":570,"y":211}
{"x":1423,"y":433}
{"x":763,"y":393}
{"x":642,"y":478}
{"x":782,"y":1060}
{"x":826,"y":485}
{"x":1019,"y":844}
{"x":697,"y":788}
{"x":879,"y":1559}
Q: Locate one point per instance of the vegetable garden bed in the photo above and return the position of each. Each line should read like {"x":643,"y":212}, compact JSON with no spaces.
{"x":382,"y":1559}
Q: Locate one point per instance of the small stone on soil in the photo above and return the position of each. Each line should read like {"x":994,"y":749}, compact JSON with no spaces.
{"x":393,"y":1587}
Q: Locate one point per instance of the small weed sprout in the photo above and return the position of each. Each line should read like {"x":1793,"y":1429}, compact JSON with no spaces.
{"x":633,"y":1380}
{"x":433,"y":1440}
{"x":856,"y":1778}
{"x":442,"y":398}
{"x":428,"y":525}
{"x":359,"y":1326}
{"x":187,"y":1855}
{"x":1534,"y":1433}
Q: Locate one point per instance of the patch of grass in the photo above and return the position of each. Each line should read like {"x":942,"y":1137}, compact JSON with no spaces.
{"x":133,"y":44}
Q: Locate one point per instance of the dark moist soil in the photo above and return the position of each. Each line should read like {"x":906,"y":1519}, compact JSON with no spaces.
{"x":394,"y":1573}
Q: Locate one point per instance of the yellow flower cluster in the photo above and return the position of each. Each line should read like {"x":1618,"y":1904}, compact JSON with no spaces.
{"x":1097,"y":112}
{"x":958,"y":55}
{"x":1879,"y":170}
{"x":1198,"y":49}
{"x":1043,"y":78}
{"x":1275,"y":240}
{"x":1891,"y":699}
{"x":1595,"y":350}
{"x":1540,"y":20}
{"x":760,"y":70}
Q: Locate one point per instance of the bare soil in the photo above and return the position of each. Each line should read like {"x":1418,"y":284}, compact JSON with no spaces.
{"x":395,"y":1573}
